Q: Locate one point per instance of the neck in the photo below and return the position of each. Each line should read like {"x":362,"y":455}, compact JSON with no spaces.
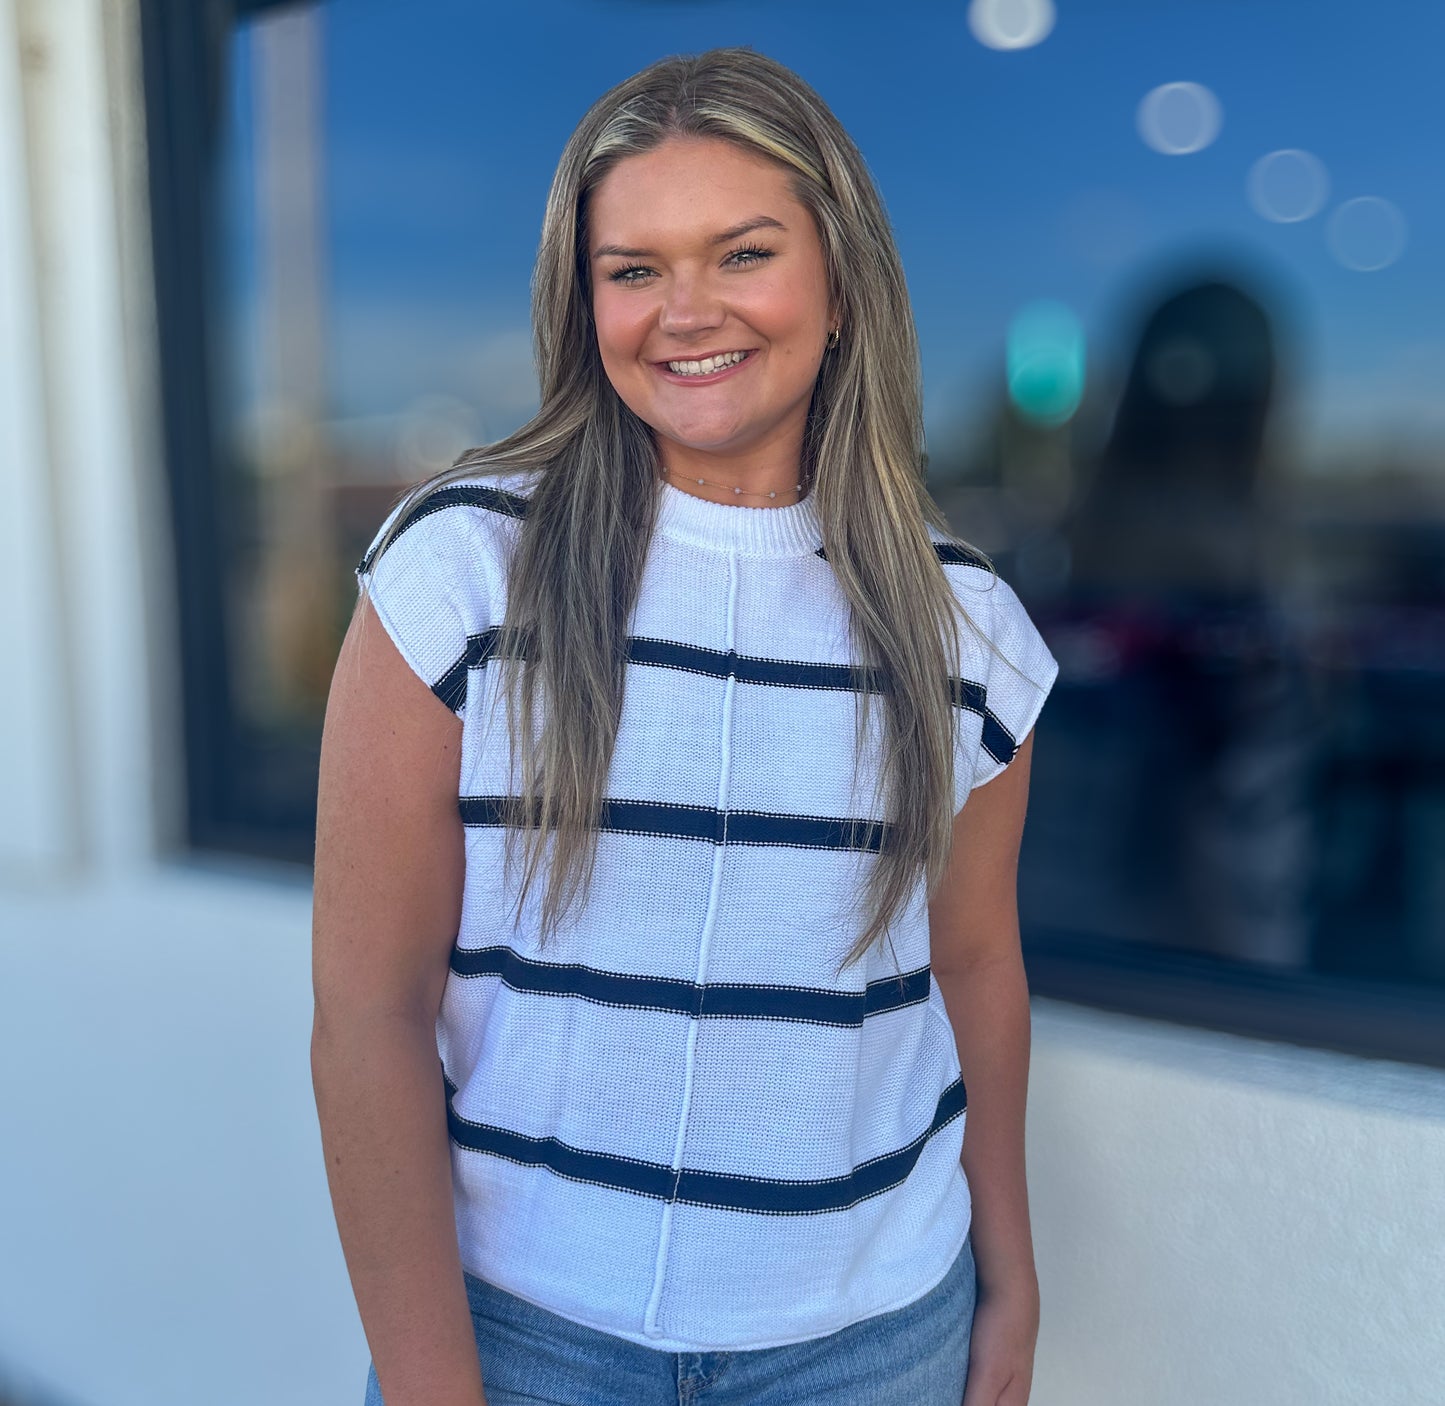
{"x":753,"y":480}
{"x":735,"y":493}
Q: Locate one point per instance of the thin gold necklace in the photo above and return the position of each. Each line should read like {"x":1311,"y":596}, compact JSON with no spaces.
{"x":738,"y":492}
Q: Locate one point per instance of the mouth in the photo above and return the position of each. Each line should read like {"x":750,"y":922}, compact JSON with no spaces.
{"x":704,"y":369}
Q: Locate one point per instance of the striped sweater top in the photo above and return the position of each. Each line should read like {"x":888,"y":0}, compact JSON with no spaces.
{"x":676,"y":1123}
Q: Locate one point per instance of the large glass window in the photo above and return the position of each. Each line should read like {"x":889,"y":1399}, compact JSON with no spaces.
{"x":1180,"y":283}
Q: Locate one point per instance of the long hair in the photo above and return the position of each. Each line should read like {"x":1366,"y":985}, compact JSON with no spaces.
{"x":577,"y":568}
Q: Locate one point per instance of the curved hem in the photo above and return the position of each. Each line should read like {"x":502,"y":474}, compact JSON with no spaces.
{"x":696,"y":1345}
{"x":995,"y":767}
{"x":382,"y":611}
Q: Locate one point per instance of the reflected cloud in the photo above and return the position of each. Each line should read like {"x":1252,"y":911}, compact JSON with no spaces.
{"x":1367,"y":233}
{"x":500,"y":370}
{"x":1011,"y":24}
{"x":389,"y":355}
{"x":432,"y":433}
{"x":1178,"y":119}
{"x":1288,"y":185}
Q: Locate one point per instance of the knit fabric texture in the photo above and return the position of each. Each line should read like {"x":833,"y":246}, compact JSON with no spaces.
{"x":677,"y":1123}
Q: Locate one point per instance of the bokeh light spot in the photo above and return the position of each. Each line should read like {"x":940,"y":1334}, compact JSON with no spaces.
{"x":1367,"y":233}
{"x":1288,"y":185}
{"x":1045,"y":362}
{"x":433,"y":432}
{"x":1011,"y":24}
{"x":1178,"y":119}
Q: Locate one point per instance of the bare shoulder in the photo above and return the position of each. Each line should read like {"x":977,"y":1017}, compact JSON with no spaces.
{"x":380,"y":708}
{"x":973,"y":914}
{"x":389,"y":839}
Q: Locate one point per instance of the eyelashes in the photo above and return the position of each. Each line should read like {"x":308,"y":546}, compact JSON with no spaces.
{"x":625,"y":275}
{"x":744,"y":257}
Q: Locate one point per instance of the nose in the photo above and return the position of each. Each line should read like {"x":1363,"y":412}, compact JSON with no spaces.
{"x":690,"y":305}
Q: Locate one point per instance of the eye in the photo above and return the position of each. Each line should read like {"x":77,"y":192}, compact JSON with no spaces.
{"x":749,"y":254}
{"x":633,"y":273}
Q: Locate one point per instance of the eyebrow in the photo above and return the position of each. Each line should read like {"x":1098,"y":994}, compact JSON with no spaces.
{"x":736,"y":232}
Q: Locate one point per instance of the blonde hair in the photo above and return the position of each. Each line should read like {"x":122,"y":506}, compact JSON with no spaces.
{"x":577,"y":569}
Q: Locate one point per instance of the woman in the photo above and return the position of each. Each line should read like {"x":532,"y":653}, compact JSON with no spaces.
{"x":710,"y":948}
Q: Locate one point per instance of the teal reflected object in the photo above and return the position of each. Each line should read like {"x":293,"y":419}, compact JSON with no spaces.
{"x":1045,"y":361}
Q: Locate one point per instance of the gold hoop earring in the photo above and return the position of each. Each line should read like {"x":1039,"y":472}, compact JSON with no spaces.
{"x":834,"y":337}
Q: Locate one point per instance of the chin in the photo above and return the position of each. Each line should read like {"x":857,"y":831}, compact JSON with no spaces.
{"x":705,"y":440}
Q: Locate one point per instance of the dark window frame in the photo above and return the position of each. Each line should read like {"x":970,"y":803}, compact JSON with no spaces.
{"x":183,"y":46}
{"x":1351,"y":1015}
{"x":229,"y":808}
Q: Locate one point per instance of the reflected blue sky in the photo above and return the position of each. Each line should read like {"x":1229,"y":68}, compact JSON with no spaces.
{"x":1010,"y":177}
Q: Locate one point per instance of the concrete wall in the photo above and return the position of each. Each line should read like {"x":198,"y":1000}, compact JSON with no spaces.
{"x":1218,"y":1220}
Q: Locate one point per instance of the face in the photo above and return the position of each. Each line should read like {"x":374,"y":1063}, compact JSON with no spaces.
{"x":710,"y":296}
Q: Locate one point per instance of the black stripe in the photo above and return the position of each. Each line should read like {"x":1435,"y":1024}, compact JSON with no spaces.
{"x":780,"y":1197}
{"x":789,"y":673}
{"x":451,"y":688}
{"x":956,"y":554}
{"x":714,"y":663}
{"x":619,"y":1173}
{"x":998,"y":741}
{"x":949,"y":553}
{"x":682,"y":822}
{"x":472,"y":495}
{"x":732,"y":1000}
{"x":746,"y":668}
{"x":750,"y":668}
{"x":717,"y":1190}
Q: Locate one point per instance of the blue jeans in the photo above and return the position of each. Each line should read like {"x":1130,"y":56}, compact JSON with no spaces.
{"x":916,"y":1355}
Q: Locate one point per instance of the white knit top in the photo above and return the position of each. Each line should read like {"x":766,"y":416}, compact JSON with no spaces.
{"x":675,"y":1123}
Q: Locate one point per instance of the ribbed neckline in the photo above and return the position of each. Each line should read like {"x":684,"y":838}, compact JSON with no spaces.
{"x":791,"y":531}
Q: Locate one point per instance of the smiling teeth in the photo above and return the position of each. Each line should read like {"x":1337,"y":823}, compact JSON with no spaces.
{"x":706,"y":367}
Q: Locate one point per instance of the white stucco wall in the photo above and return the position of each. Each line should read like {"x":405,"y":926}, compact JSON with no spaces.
{"x":165,"y":1232}
{"x":1229,"y":1222}
{"x":1220,"y":1222}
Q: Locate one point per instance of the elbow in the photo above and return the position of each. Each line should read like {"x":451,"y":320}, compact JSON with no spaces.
{"x":990,"y":964}
{"x":343,"y":1028}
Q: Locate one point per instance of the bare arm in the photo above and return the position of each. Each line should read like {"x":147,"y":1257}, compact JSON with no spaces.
{"x":978,"y":965}
{"x":389,"y":873}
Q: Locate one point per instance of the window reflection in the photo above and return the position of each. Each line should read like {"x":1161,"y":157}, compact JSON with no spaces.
{"x":1191,"y":409}
{"x":1186,"y":736}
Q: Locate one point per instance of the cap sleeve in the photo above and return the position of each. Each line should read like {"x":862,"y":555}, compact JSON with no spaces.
{"x":1009,"y":681}
{"x":422,"y":588}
